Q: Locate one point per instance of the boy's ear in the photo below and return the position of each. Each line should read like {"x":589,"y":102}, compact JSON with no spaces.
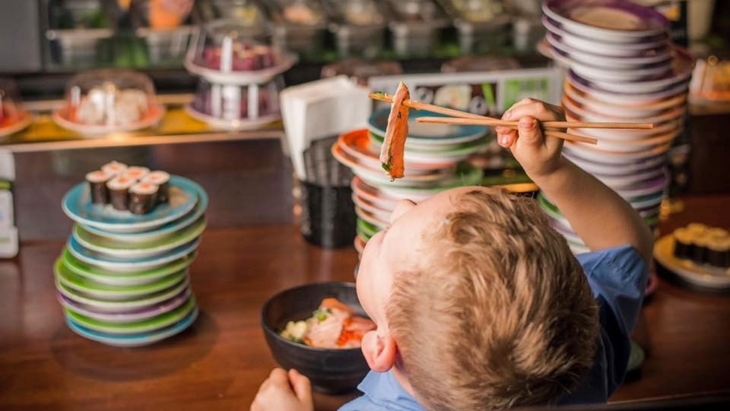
{"x":379,"y":351}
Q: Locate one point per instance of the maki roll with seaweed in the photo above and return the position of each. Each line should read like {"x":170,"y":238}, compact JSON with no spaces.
{"x":162,"y":180}
{"x":718,"y":251}
{"x":683,"y":243}
{"x":114,"y":168}
{"x":142,"y":198}
{"x":97,"y":186}
{"x":119,"y":191}
{"x":136,"y":173}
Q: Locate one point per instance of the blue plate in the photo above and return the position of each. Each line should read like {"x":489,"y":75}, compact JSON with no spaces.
{"x":184,"y":195}
{"x":378,"y":121}
{"x":128,"y":264}
{"x":134,"y":340}
{"x":160,"y":232}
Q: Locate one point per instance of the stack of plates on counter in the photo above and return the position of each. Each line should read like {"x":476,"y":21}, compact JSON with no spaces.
{"x":122,"y":278}
{"x":621,"y":68}
{"x":433,"y":162}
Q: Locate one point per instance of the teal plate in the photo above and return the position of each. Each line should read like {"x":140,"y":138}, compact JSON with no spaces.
{"x":161,"y":232}
{"x":121,"y":279}
{"x":145,"y":326}
{"x":378,"y":122}
{"x":134,"y":340}
{"x":107,"y":292}
{"x":120,"y":249}
{"x":184,"y":195}
{"x":127,"y":264}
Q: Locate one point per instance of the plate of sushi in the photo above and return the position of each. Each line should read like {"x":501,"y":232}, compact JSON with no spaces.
{"x":698,"y":254}
{"x":121,"y":199}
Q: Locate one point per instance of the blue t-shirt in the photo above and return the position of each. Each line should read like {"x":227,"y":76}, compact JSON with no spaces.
{"x":617,"y":277}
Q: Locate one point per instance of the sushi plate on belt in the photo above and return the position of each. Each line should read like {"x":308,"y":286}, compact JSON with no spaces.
{"x":77,"y":205}
{"x":425,"y":134}
{"x":693,"y":273}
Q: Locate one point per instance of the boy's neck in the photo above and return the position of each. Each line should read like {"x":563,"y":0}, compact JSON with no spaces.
{"x":400,"y":376}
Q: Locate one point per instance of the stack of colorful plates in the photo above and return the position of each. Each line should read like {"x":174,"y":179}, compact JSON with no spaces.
{"x":622,"y":68}
{"x":122,"y":279}
{"x":433,"y":158}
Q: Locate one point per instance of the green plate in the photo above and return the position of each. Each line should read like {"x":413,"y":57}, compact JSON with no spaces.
{"x":450,"y":150}
{"x":103,"y":306}
{"x":119,"y":279}
{"x":123,"y":249}
{"x":366,"y":229}
{"x":155,"y":323}
{"x":109,"y":292}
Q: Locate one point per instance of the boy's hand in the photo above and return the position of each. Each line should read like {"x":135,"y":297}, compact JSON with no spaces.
{"x":284,"y":391}
{"x":538,"y":155}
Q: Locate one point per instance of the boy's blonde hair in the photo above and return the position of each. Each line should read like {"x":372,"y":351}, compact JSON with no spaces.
{"x":498,"y":313}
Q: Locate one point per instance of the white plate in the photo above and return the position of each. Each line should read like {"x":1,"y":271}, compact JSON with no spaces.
{"x":241,"y":77}
{"x":620,"y":135}
{"x":593,"y":45}
{"x":637,"y":112}
{"x":24,"y":122}
{"x":369,"y":174}
{"x":232,"y":125}
{"x":379,"y":213}
{"x":372,"y":194}
{"x":153,"y":117}
{"x":629,"y":100}
{"x":630,"y":180}
{"x":701,"y":275}
{"x":611,"y":170}
{"x":611,"y":20}
{"x":623,"y":75}
{"x":379,"y":221}
{"x":652,"y":56}
{"x":582,"y":114}
{"x":611,"y":157}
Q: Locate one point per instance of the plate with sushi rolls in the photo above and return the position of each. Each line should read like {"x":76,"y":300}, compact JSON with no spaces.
{"x":698,"y":254}
{"x":121,"y":199}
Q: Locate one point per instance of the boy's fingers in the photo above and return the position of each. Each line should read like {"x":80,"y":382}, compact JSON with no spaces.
{"x":278,"y":376}
{"x":301,"y":385}
{"x":507,"y":138}
{"x":529,"y":131}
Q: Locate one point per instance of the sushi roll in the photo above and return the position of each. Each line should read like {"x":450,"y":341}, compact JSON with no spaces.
{"x":699,"y":252}
{"x":683,"y":245}
{"x":718,"y":252}
{"x":162,"y":180}
{"x":697,"y":229}
{"x":136,"y":173}
{"x":114,"y":168}
{"x":97,"y":186}
{"x":119,"y":192}
{"x":142,"y":198}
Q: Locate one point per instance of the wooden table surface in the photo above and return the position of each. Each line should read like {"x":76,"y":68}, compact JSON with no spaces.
{"x":219,"y":362}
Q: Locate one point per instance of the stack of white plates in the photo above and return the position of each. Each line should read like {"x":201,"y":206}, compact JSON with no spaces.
{"x":122,"y":279}
{"x":434,"y":158}
{"x":621,"y":68}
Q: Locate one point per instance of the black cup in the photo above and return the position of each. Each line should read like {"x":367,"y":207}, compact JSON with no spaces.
{"x":328,"y":215}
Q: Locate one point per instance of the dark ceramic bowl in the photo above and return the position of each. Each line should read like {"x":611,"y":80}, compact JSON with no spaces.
{"x":331,"y":371}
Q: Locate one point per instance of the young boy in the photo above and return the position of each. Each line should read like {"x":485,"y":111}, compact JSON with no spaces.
{"x":479,"y":304}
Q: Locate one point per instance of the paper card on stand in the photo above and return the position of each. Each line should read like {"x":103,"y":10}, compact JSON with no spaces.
{"x":321,"y":109}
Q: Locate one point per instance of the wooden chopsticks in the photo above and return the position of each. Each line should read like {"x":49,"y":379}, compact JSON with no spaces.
{"x":552,"y":128}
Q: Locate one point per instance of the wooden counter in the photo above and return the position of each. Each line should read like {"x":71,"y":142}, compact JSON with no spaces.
{"x":218,"y":363}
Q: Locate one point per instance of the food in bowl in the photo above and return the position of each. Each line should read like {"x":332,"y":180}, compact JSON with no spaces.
{"x":330,"y":370}
{"x":332,"y":325}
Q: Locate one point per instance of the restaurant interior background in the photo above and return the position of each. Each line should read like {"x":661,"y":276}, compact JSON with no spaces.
{"x":244,"y":158}
{"x":46,"y":43}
